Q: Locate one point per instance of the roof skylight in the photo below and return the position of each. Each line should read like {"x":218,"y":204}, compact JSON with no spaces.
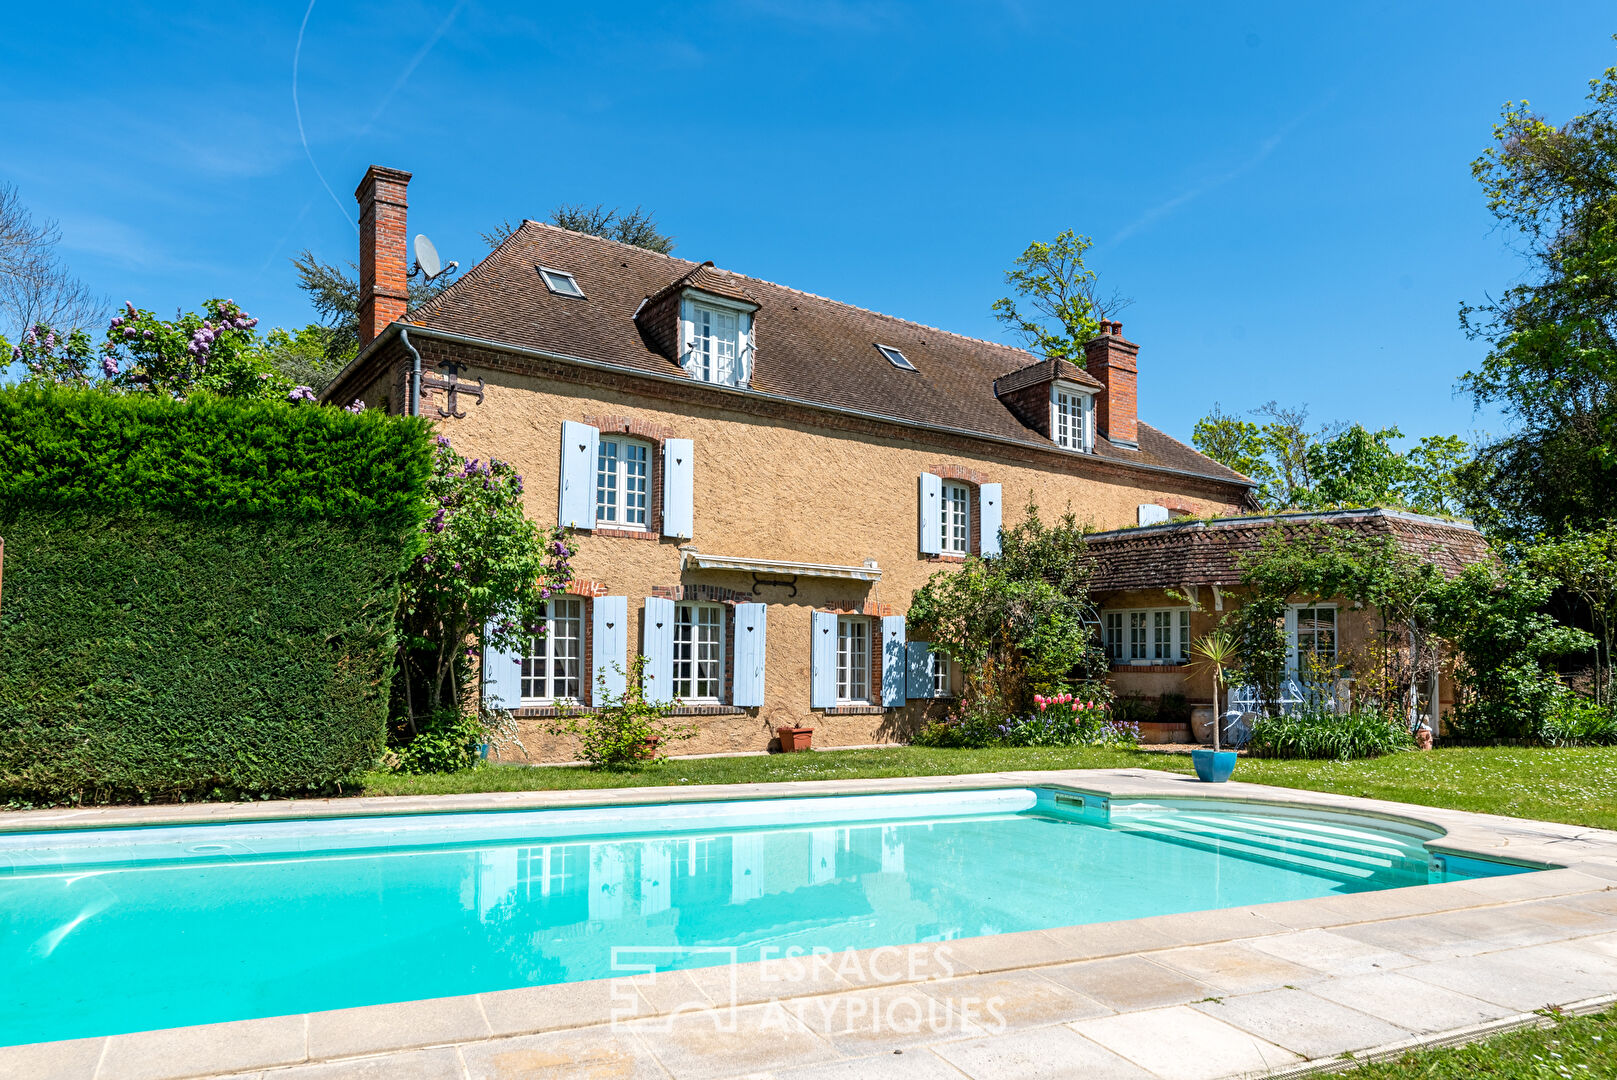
{"x":894,"y":357}
{"x":560,"y":282}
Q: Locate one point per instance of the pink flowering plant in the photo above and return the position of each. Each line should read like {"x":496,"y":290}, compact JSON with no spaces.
{"x":1067,"y":719}
{"x":483,"y":570}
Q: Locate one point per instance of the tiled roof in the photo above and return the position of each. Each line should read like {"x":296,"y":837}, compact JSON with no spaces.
{"x":1208,"y":552}
{"x":807,"y":347}
{"x":1045,"y":371}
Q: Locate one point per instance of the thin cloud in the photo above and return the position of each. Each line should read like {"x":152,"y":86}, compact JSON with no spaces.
{"x":1261,"y":154}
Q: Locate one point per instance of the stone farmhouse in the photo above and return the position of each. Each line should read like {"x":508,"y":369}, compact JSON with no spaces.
{"x":759,"y":478}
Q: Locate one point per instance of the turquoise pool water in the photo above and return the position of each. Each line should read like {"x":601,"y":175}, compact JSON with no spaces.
{"x":117,"y":930}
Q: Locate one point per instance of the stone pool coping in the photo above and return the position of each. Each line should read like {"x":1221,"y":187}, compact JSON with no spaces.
{"x":1489,"y":949}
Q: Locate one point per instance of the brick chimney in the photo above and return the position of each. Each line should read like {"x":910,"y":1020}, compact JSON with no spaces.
{"x":384,"y":290}
{"x":1111,"y":360}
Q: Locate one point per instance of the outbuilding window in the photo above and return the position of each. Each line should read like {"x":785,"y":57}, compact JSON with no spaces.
{"x":1151,"y":636}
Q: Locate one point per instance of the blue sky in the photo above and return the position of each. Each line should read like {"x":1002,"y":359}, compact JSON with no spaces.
{"x":1283,"y":189}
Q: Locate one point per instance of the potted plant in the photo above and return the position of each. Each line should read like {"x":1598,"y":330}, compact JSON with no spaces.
{"x":1217,"y":652}
{"x":794,"y":739}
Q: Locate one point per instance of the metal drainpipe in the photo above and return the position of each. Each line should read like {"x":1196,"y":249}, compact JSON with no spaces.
{"x":415,"y":372}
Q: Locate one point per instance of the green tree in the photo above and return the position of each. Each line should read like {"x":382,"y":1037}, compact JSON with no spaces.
{"x":637,"y":227}
{"x":303,"y":356}
{"x":1585,"y":564}
{"x":1064,"y":306}
{"x":1433,"y":485}
{"x":1018,"y":623}
{"x":333,"y":292}
{"x":1551,"y":364}
{"x":1357,"y":467}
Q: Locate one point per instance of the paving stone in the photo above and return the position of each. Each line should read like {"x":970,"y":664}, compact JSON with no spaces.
{"x":1562,"y":914}
{"x":1421,"y":937}
{"x":1334,"y":954}
{"x":1514,"y":980}
{"x":592,"y":1053}
{"x":1235,"y":968}
{"x":439,"y":1063}
{"x":1014,"y":999}
{"x":70,"y":1059}
{"x":918,"y":1064}
{"x":209,"y":1048}
{"x":1407,"y":1002}
{"x":863,"y":1022}
{"x":1302,"y":1023}
{"x":1184,"y":1044}
{"x":531,"y":1009}
{"x":398,"y":1026}
{"x":1106,"y":939}
{"x":1055,"y":1053}
{"x":776,"y":979}
{"x":671,"y":992}
{"x":1126,"y":983}
{"x":726,"y":1042}
{"x":1005,"y":951}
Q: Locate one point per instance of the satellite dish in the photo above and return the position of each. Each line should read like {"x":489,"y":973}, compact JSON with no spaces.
{"x":427,"y":260}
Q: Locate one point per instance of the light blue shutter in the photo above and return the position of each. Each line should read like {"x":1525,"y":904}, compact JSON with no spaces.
{"x":990,"y":517}
{"x":658,"y":629}
{"x":1152,"y":514}
{"x":823,"y":660}
{"x":610,"y":645}
{"x":502,"y":677}
{"x":1291,"y":641}
{"x":920,"y":684}
{"x":751,"y":629}
{"x":892,"y":661}
{"x":931,"y":510}
{"x":679,"y":483}
{"x":580,"y":446}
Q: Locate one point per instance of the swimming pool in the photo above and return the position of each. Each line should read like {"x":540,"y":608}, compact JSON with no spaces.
{"x":115,"y":930}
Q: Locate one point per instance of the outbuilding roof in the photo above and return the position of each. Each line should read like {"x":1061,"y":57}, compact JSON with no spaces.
{"x":807,"y":347}
{"x":1209,"y":552}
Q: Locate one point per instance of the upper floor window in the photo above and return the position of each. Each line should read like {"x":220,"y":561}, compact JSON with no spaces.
{"x":1072,"y":417}
{"x":622,"y":484}
{"x":550,"y":666}
{"x":698,"y":652}
{"x":956,"y":519}
{"x":560,"y":282}
{"x":853,"y":660}
{"x":717,"y":343}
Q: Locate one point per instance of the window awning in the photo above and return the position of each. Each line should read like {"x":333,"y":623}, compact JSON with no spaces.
{"x":696,"y":560}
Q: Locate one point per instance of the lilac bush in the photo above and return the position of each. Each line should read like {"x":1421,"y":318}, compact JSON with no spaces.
{"x":481,"y":563}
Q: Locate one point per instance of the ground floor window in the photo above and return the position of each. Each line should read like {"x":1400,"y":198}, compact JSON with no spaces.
{"x":1314,"y":635}
{"x":1149,"y":636}
{"x":938,"y":669}
{"x":698,"y":652}
{"x":551,"y":666}
{"x":853,"y":659}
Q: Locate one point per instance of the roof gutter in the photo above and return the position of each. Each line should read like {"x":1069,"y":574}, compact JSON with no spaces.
{"x":782,"y":399}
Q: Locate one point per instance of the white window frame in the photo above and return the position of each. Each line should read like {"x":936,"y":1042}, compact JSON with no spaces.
{"x":1294,"y":633}
{"x":1072,"y":417}
{"x":698,"y":657}
{"x":853,"y":660}
{"x":1147,"y":637}
{"x":546,"y":273}
{"x":615,"y":475}
{"x":954,"y":536}
{"x":562,"y":613}
{"x":895,"y":356}
{"x":692,"y":307}
{"x":938,"y":670}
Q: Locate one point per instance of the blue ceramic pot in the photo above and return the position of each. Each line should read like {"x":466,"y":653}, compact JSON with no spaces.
{"x":1213,"y":766}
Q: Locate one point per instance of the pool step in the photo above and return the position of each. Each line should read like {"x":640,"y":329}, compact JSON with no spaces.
{"x":1318,"y":846}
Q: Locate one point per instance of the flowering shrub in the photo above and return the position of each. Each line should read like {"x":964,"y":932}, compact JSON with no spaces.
{"x":483,"y":566}
{"x":626,"y":730}
{"x":1577,"y":721}
{"x":51,"y":357}
{"x":1065,"y":720}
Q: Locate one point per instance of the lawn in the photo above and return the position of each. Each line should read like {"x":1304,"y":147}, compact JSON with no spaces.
{"x":1584,"y":1046}
{"x":1577,"y":786}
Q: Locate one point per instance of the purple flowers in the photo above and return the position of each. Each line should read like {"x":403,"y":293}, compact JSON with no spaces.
{"x":356,"y":406}
{"x":301,"y":393}
{"x":109,"y":367}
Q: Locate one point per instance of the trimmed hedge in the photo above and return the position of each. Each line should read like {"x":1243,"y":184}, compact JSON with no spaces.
{"x":198,"y":597}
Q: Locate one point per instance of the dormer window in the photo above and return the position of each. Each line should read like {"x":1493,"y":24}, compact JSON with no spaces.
{"x":560,"y":282}
{"x":1072,"y":417}
{"x":716,"y":340}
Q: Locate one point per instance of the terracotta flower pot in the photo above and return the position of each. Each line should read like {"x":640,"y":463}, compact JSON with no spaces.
{"x":648,"y":747}
{"x":793,"y":739}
